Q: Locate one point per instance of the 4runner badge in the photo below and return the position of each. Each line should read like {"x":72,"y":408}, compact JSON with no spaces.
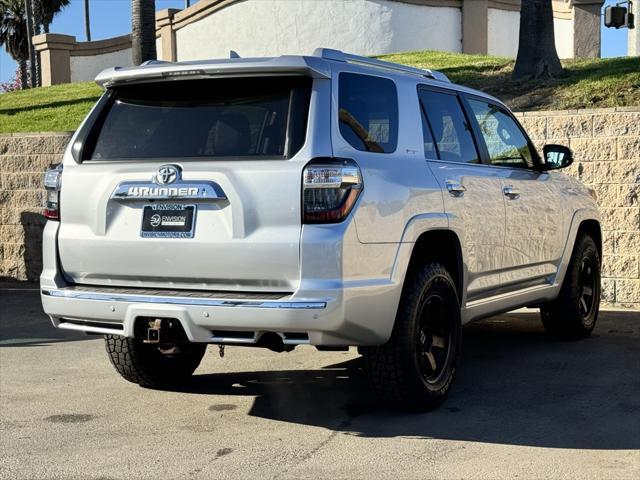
{"x":166,"y":184}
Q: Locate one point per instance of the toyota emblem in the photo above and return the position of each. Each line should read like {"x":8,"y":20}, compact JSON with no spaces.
{"x":167,"y":174}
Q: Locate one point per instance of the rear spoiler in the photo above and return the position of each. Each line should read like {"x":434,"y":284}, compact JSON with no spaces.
{"x":157,"y":70}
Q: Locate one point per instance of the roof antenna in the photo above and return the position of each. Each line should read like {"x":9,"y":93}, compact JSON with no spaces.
{"x":233,"y":54}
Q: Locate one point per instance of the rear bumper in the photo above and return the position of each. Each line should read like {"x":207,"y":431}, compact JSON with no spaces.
{"x":322,"y":311}
{"x":316,"y":321}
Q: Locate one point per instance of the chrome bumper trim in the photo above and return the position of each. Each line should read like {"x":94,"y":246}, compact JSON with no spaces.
{"x":205,"y":302}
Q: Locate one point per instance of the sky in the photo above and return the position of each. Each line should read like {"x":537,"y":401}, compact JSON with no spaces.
{"x":110,"y":18}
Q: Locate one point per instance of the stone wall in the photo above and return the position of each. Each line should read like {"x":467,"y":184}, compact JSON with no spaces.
{"x":606,"y":146}
{"x":606,"y":143}
{"x":23,"y":160}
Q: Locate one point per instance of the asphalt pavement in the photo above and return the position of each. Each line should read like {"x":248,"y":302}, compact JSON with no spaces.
{"x":523,"y":406}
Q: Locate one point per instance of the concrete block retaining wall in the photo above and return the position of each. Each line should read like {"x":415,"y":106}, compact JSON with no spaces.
{"x":606,"y":146}
{"x":606,"y":143}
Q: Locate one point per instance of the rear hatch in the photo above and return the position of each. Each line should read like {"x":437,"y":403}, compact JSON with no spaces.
{"x":188,"y":184}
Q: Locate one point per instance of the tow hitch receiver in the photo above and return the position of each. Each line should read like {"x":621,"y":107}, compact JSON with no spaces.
{"x":153,"y":333}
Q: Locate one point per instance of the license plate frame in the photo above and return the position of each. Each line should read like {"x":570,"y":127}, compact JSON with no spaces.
{"x":168,"y":220}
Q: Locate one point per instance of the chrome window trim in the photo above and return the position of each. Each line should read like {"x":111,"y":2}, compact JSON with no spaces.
{"x":519,"y":169}
{"x":206,"y":302}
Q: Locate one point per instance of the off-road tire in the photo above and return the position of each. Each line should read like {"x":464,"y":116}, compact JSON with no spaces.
{"x":146,"y":365}
{"x":393,"y":369}
{"x":564,"y":317}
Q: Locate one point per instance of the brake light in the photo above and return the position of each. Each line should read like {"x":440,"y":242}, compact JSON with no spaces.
{"x":52,"y":184}
{"x":330,"y":188}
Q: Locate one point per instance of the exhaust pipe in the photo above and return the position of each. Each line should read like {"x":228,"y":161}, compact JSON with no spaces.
{"x":273,"y":342}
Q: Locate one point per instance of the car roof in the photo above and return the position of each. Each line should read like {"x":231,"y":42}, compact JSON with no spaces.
{"x":318,"y":65}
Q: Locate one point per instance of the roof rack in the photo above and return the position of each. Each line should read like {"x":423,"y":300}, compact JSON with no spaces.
{"x":339,"y":56}
{"x":154,"y":62}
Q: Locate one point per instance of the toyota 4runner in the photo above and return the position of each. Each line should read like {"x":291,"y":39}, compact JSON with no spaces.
{"x":330,"y":200}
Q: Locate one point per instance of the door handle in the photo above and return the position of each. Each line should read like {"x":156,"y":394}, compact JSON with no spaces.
{"x":511,"y":192}
{"x":456,"y":189}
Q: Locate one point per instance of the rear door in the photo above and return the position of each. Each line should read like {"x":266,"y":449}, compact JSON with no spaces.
{"x":189,"y":184}
{"x":473,"y":196}
{"x":534,"y":235}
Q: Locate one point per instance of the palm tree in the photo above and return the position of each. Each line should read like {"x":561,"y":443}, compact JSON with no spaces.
{"x":47,"y":9}
{"x":13,"y":34}
{"x":143,"y":30}
{"x":87,"y":22}
{"x":537,"y":55}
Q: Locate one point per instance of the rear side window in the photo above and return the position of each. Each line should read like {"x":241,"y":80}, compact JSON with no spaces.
{"x":449,"y":127}
{"x":368,"y":112}
{"x":250,"y":117}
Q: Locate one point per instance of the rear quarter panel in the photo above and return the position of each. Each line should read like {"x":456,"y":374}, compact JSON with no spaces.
{"x":399,"y":188}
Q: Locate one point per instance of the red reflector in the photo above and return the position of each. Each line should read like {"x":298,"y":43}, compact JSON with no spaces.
{"x":52,"y":214}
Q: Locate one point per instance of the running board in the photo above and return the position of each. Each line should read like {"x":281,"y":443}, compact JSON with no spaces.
{"x":505,"y":302}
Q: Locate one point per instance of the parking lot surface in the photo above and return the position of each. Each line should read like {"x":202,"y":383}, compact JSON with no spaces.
{"x":522,"y":406}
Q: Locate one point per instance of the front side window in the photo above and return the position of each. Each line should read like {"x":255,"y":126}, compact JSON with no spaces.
{"x":507,"y":145}
{"x":245,"y":117}
{"x":451,"y":131}
{"x":368,"y":112}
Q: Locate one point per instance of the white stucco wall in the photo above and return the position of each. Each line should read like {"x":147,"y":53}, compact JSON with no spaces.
{"x":633,"y":41}
{"x":563,"y":30}
{"x":85,"y":68}
{"x":159,"y":48}
{"x":366,"y":27}
{"x":503,"y":32}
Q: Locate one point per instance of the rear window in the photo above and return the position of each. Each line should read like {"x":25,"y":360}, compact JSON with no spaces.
{"x":247,"y":117}
{"x":368,"y":112}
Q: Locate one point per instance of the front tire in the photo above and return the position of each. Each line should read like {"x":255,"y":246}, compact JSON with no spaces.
{"x":574,"y":313}
{"x":151,"y":365}
{"x":415,"y":369}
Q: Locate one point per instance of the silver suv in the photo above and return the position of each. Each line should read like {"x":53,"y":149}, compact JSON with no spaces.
{"x":330,"y":200}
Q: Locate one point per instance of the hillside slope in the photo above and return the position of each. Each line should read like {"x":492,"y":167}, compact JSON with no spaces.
{"x":586,"y":84}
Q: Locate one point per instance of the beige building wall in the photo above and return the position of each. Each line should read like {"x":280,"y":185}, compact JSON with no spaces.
{"x":563,"y":31}
{"x":85,"y":68}
{"x":64,"y":60}
{"x":633,"y":43}
{"x":212,"y":28}
{"x":503,"y":32}
{"x":274,"y":27}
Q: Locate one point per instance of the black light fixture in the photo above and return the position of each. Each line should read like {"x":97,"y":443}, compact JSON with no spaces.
{"x":618,"y":16}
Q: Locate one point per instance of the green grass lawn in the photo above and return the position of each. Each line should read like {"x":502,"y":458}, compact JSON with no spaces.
{"x":585,"y":84}
{"x":48,"y":109}
{"x":610,"y":82}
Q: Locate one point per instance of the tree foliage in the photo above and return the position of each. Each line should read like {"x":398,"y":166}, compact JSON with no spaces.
{"x":45,"y":10}
{"x":13,"y":27}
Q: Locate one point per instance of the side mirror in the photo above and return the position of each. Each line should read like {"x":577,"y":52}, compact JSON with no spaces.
{"x":556,"y":156}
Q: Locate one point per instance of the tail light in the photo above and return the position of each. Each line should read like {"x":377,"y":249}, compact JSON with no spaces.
{"x":52,"y":183}
{"x":330,"y":188}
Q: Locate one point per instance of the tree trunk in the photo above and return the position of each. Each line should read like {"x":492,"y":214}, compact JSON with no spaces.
{"x":37,"y":16}
{"x":24,"y":81}
{"x":32,"y":56}
{"x":87,"y":21}
{"x":37,"y":30}
{"x":537,"y":55}
{"x":143,"y":30}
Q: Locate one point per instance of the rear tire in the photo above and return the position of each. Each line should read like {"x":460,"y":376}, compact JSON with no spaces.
{"x":415,"y":369}
{"x":574,"y":313}
{"x":150,"y":365}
